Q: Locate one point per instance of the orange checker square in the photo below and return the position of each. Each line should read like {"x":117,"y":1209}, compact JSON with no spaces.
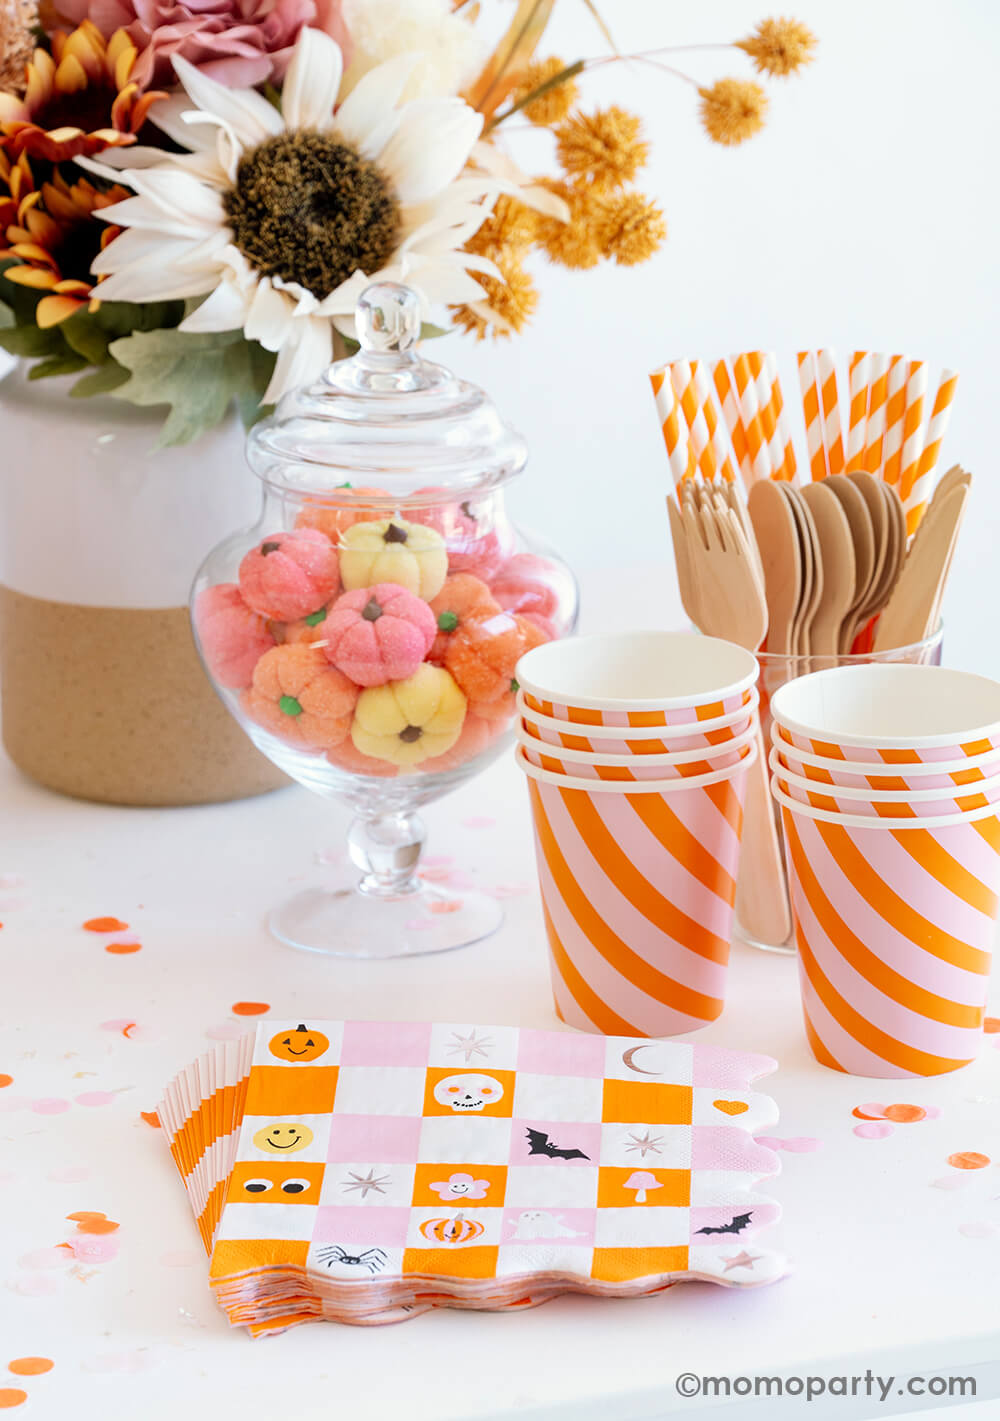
{"x":234,"y":1256}
{"x":287,"y":1182}
{"x":273,"y":1090}
{"x":453,"y":1262}
{"x":628,"y":1187}
{"x":623,"y":1265}
{"x":461,"y":1185}
{"x":646,"y":1103}
{"x":451,"y":1092}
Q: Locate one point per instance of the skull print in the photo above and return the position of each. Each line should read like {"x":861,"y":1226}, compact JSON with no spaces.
{"x":470,"y":1091}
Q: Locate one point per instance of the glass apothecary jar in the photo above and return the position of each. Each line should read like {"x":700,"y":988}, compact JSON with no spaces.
{"x":365,"y":631}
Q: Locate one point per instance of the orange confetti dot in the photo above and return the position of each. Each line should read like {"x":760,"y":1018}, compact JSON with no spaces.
{"x":151,"y":1118}
{"x":122,"y":947}
{"x":105,"y":925}
{"x":862,"y":1116}
{"x":250,"y":1008}
{"x":30,"y":1366}
{"x":968,"y":1159}
{"x":991,"y":1025}
{"x":5,"y":1080}
{"x":11,"y":1396}
{"x":88,"y":1222}
{"x":904,"y":1114}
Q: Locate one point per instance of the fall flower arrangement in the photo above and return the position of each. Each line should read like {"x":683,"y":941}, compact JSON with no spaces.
{"x":193,"y":196}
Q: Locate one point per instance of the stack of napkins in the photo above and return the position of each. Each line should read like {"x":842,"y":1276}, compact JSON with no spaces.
{"x":367,"y":1171}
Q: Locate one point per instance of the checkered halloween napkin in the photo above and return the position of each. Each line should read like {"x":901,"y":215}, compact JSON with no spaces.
{"x":367,"y":1170}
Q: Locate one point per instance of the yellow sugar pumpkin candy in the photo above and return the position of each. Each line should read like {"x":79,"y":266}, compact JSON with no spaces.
{"x":405,"y":722}
{"x":393,"y":550}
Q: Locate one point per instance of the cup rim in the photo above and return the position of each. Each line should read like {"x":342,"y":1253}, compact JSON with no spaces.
{"x":598,"y":757}
{"x":879,"y":796}
{"x":899,"y":655}
{"x":882,"y":768}
{"x":641,"y":732}
{"x":987,"y":730}
{"x":881,"y":826}
{"x":667,"y":639}
{"x":678,"y":786}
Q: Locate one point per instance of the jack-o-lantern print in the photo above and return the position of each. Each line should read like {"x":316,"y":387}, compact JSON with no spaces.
{"x":455,"y":1229}
{"x":301,"y":1044}
{"x":468,"y":1093}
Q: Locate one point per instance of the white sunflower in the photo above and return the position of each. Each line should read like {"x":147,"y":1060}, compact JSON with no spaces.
{"x":280,"y":220}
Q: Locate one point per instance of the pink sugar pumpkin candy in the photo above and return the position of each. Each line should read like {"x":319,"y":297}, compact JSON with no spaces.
{"x":290,"y":575}
{"x":347,"y":756}
{"x":298,"y":696}
{"x":526,"y":583}
{"x":477,"y":735}
{"x":233,"y":636}
{"x":378,"y":634}
{"x":474,"y":544}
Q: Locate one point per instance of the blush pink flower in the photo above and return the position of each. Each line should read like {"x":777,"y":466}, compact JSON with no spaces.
{"x":461,"y":1186}
{"x":239,"y":43}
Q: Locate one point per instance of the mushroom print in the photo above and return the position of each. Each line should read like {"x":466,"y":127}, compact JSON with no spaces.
{"x":468,"y":1092}
{"x":641,"y":1181}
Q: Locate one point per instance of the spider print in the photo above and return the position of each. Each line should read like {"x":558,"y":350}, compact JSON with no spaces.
{"x":373,"y":1259}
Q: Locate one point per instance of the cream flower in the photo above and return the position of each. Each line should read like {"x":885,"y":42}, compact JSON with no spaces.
{"x":451,"y":49}
{"x":280,"y":220}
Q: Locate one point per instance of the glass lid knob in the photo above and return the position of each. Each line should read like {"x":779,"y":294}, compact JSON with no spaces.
{"x":387,"y":318}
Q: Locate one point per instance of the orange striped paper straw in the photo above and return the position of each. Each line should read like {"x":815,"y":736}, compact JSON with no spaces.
{"x":726,"y":392}
{"x":721,"y":448}
{"x":915,"y":501}
{"x":895,"y":412}
{"x":859,"y":375}
{"x":833,"y":444}
{"x":670,"y":426}
{"x":682,"y":378}
{"x":783,"y":457}
{"x":765,"y":405}
{"x":913,"y":418}
{"x":746,"y":393}
{"x":808,"y":383}
{"x":875,"y":425}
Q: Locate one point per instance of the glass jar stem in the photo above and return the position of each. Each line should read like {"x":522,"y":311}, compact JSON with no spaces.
{"x":387,"y":848}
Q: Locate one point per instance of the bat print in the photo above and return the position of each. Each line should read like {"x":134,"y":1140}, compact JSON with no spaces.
{"x":539,"y":1143}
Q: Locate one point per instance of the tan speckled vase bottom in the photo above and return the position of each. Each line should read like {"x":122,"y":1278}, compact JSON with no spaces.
{"x":112,"y":704}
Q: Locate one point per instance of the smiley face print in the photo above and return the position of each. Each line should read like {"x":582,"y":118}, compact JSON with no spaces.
{"x":283,"y":1139}
{"x":300,"y":1044}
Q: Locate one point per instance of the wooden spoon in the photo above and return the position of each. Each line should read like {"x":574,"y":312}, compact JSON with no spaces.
{"x":776,"y":531}
{"x":863,"y":537}
{"x":812,"y":568}
{"x":836,"y":554}
{"x":895,"y":548}
{"x":870,"y":489}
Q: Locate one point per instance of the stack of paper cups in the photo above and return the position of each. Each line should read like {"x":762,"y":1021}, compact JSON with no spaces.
{"x":636,"y":748}
{"x":888,"y":779}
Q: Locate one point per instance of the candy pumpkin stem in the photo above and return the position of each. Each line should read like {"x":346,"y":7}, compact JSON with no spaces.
{"x":314,"y":618}
{"x":371,"y":610}
{"x":266,"y":548}
{"x":290,"y":705}
{"x":394,"y":534}
{"x":447,"y":621}
{"x":410,"y":734}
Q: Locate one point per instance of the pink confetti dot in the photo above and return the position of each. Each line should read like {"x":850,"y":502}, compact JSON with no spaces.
{"x":95,"y":1097}
{"x":436,"y":860}
{"x":872,"y":1109}
{"x":58,"y":1257}
{"x":932,"y":1111}
{"x":94,"y":1248}
{"x":979,"y":1228}
{"x":36,"y":1285}
{"x":226,"y":1031}
{"x":802,"y":1145}
{"x":438,"y":873}
{"x":50,"y":1105}
{"x":181,"y":1258}
{"x":70,"y":1174}
{"x":873,"y":1130}
{"x":951,"y":1181}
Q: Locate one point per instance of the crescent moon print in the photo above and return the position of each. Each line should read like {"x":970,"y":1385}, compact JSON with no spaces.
{"x":628,"y":1059}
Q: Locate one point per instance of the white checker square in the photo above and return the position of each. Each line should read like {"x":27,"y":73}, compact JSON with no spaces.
{"x":546,"y":1186}
{"x":563,"y":1258}
{"x":354,"y":1264}
{"x":557,"y":1097}
{"x":720,"y":1186}
{"x":626,"y":1059}
{"x":462,"y":1047}
{"x":380,"y":1090}
{"x":724,"y":1262}
{"x":246,"y":1221}
{"x":646,"y":1146}
{"x":761,"y":1111}
{"x":267,"y":1030}
{"x":282,"y":1137}
{"x":446,"y":1139}
{"x":491,"y":1221}
{"x":641,"y":1227}
{"x":368,"y":1185}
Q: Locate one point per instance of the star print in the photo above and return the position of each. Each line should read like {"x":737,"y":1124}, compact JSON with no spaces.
{"x":645,"y":1144}
{"x":365,"y":1183}
{"x":742,"y":1260}
{"x":469,"y":1046}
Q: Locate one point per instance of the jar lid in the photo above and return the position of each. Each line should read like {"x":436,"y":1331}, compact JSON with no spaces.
{"x":386,"y":417}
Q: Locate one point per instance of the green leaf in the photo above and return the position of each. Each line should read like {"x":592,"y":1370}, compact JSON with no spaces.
{"x":67,"y":364}
{"x":431,"y":332}
{"x":31,"y":342}
{"x":6,"y":316}
{"x":100,"y":382}
{"x":197,"y":375}
{"x":85,"y":335}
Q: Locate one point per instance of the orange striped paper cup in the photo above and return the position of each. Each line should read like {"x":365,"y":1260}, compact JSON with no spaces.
{"x":893,"y":803}
{"x":856,"y":774}
{"x":580,"y":765}
{"x":648,"y":740}
{"x":894,"y":922}
{"x":638,"y":887}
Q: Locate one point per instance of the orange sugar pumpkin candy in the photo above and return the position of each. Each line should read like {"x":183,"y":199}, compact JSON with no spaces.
{"x":461,"y":599}
{"x":345,"y":507}
{"x":299,"y":697}
{"x":482,"y":655}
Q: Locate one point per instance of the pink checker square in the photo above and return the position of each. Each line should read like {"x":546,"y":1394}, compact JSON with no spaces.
{"x":368,"y":1228}
{"x":380,"y":1043}
{"x":726,"y":1147}
{"x":390,"y":1139}
{"x":549,"y":1226}
{"x":721,"y":1216}
{"x":719,"y":1069}
{"x":547,"y":1135}
{"x":561,"y":1053}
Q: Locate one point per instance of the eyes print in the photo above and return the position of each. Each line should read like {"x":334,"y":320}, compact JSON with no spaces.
{"x":287,"y":1186}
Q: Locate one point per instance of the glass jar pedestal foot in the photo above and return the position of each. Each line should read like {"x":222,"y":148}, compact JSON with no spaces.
{"x":391,"y":912}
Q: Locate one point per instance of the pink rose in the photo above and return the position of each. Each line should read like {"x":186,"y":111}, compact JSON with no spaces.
{"x":240,"y":43}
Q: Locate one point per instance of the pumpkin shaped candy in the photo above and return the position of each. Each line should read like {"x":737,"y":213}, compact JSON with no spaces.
{"x":346,"y":506}
{"x":298,"y":696}
{"x":378,"y":634}
{"x":408,"y":721}
{"x":233,"y":636}
{"x":289,"y":575}
{"x":483,"y":653}
{"x":461,"y":599}
{"x":394,"y":550}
